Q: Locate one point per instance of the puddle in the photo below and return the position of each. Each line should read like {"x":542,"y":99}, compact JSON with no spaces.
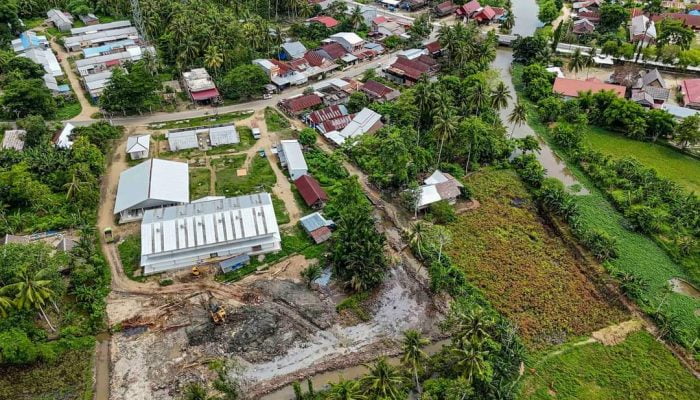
{"x":683,"y":287}
{"x":102,"y":367}
{"x":325,"y":277}
{"x":322,"y":380}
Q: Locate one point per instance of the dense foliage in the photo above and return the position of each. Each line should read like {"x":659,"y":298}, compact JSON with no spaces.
{"x":22,"y":91}
{"x":132,"y":89}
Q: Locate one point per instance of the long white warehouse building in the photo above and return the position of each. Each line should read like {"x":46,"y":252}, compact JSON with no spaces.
{"x":180,"y":236}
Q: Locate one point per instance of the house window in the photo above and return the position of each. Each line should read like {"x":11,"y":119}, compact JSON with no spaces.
{"x":212,"y":255}
{"x":257,"y":248}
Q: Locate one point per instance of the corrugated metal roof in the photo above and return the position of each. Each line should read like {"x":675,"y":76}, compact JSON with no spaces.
{"x":138,"y":143}
{"x":182,"y":140}
{"x":221,"y":135}
{"x":154,"y":179}
{"x":293,"y":157}
{"x":172,"y":233}
{"x":314,"y":221}
{"x":100,"y":27}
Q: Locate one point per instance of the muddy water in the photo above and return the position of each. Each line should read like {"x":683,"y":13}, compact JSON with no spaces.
{"x":556,"y":168}
{"x":683,"y":287}
{"x":526,"y":20}
{"x":102,"y":361}
{"x":324,"y":379}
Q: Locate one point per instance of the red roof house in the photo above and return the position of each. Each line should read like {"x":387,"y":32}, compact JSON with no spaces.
{"x":486,"y":14}
{"x":326,"y":114}
{"x":570,"y":88}
{"x":311,"y":191}
{"x":468,"y":9}
{"x":296,"y":105}
{"x":691,"y":21}
{"x":328,"y":22}
{"x":334,"y":50}
{"x":378,"y":91}
{"x":406,"y":71}
{"x":444,"y":8}
{"x":434,"y":48}
{"x":690,"y":88}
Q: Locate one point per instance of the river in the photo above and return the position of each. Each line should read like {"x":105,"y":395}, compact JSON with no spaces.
{"x":526,"y":22}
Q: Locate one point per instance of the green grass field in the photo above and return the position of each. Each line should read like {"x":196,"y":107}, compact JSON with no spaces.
{"x":274,"y":120}
{"x":638,"y":368}
{"x":199,"y":183}
{"x":669,"y":163}
{"x":68,"y":111}
{"x":260,"y":177}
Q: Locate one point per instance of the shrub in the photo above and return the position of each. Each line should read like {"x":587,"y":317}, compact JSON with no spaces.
{"x":307,"y":137}
{"x":442,"y":212}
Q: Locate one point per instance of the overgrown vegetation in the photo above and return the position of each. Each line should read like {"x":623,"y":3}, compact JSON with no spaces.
{"x":275,"y":121}
{"x":260,"y":177}
{"x":130,"y":255}
{"x":200,"y":179}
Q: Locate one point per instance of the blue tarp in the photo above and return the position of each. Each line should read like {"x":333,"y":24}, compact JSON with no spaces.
{"x":234,"y":263}
{"x":694,"y":12}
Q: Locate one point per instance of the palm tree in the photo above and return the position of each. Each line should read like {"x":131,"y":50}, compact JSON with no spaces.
{"x":383,"y":381}
{"x":345,"y":390}
{"x":442,"y":236}
{"x":577,"y":62}
{"x":417,"y":235}
{"x":589,"y":60}
{"x":213,"y":58}
{"x":517,"y":116}
{"x":413,"y":354}
{"x":356,"y":18}
{"x":473,"y":324}
{"x":499,"y":96}
{"x":6,"y":304}
{"x":74,"y":187}
{"x":478,"y":97}
{"x":32,"y":291}
{"x":445,"y":126}
{"x":470,"y":360}
{"x":425,"y":97}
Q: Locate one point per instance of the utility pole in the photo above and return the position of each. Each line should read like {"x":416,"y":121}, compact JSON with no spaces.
{"x":138,"y":20}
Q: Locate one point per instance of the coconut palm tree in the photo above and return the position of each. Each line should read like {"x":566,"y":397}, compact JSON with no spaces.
{"x":473,"y":324}
{"x":32,"y":291}
{"x":589,"y":60}
{"x":417,"y":236}
{"x":213,"y":58}
{"x":345,"y":390}
{"x":470,"y":360}
{"x":356,"y":18}
{"x":517,"y":116}
{"x":445,"y":126}
{"x":500,"y":96}
{"x":383,"y":381}
{"x":413,"y":354}
{"x":478,"y":97}
{"x":577,"y":62}
{"x":74,"y":187}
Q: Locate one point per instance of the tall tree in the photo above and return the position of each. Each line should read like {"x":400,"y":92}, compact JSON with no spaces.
{"x":383,"y":381}
{"x":413,"y":355}
{"x":577,"y":62}
{"x":500,"y":96}
{"x":345,"y":390}
{"x":357,"y":252}
{"x":32,"y":291}
{"x":518,"y":116}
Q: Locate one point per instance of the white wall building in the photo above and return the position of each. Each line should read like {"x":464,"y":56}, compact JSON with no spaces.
{"x":180,"y":236}
{"x":349,"y":40}
{"x":291,"y":157}
{"x":153,"y":183}
{"x":137,"y":147}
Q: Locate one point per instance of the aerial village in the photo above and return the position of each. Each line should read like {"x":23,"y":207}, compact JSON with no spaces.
{"x":385,"y":199}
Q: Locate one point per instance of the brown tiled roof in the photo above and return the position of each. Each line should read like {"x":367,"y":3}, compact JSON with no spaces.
{"x":433,"y":47}
{"x":692,"y":21}
{"x":376,"y":89}
{"x":329,"y":22}
{"x":335,"y":50}
{"x":314,"y":58}
{"x":572,"y":87}
{"x":446,"y":6}
{"x":301,"y":103}
{"x":416,"y":67}
{"x":310,"y":190}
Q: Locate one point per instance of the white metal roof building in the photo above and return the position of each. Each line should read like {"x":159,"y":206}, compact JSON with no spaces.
{"x":137,"y":147}
{"x":96,"y":83}
{"x":349,"y":40}
{"x":291,"y":157}
{"x":64,"y":138}
{"x":183,"y":140}
{"x":46,"y":58}
{"x":100,"y":27}
{"x":61,"y":20}
{"x":366,"y":121}
{"x":221,"y":135}
{"x":180,"y":236}
{"x":94,"y":38}
{"x":153,"y":183}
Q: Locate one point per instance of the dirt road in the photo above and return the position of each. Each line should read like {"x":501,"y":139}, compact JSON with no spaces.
{"x":87,"y":109}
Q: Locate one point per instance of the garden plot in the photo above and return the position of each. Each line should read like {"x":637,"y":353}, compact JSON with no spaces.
{"x":525,"y":269}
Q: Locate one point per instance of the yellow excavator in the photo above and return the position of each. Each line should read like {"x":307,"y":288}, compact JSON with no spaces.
{"x":196,"y":272}
{"x":216,"y":311}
